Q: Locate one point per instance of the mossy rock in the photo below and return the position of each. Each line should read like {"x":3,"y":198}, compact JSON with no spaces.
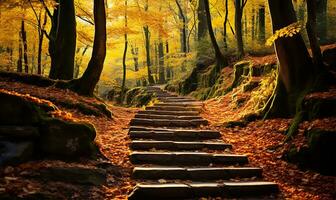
{"x":16,"y":110}
{"x":329,"y":57}
{"x":12,"y":153}
{"x":114,"y":94}
{"x":319,"y":155}
{"x":66,"y":139}
{"x":259,"y":70}
{"x":138,"y":97}
{"x":318,"y":107}
{"x":201,"y":94}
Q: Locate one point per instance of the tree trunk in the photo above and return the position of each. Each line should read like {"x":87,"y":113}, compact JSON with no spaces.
{"x":322,"y":18}
{"x":87,"y":83}
{"x":63,"y":41}
{"x":220,"y":59}
{"x":40,"y":43}
{"x":261,"y":24}
{"x":296,"y":73}
{"x":123,"y":86}
{"x":135,"y":53}
{"x":79,"y":61}
{"x":168,"y":70}
{"x":225,"y":23}
{"x":10,"y":64}
{"x":19,"y":62}
{"x":148,"y":58}
{"x":33,"y":66}
{"x":183,"y":30}
{"x":25,"y":46}
{"x":202,"y":20}
{"x":238,"y":27}
{"x":312,"y":32}
{"x":161,"y":63}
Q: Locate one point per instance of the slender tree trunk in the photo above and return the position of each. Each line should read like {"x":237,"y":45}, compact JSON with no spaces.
{"x":202,"y":20}
{"x":87,"y":83}
{"x":261,"y":24}
{"x":19,"y":62}
{"x":148,"y":58}
{"x":161,"y":63}
{"x":123,"y":87}
{"x":10,"y":57}
{"x":79,"y":61}
{"x":220,"y":59}
{"x":225,"y":23}
{"x":183,"y":29}
{"x":33,"y":66}
{"x":25,"y":46}
{"x":135,"y":53}
{"x":63,"y":44}
{"x":252,"y":25}
{"x":322,"y":18}
{"x":168,"y":70}
{"x":239,"y":5}
{"x":312,"y":32}
{"x":297,"y":73}
{"x":40,"y":43}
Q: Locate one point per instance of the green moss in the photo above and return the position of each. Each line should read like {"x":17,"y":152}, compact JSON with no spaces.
{"x":138,"y":97}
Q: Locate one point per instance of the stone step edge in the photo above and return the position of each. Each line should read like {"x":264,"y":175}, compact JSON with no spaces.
{"x":194,"y":190}
{"x":200,"y":173}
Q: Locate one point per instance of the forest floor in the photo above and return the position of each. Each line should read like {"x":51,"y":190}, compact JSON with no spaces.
{"x":262,"y":141}
{"x":112,"y":139}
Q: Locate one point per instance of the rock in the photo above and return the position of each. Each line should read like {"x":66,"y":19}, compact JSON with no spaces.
{"x":320,"y":153}
{"x":17,"y":111}
{"x":15,"y":153}
{"x":322,"y":150}
{"x":67,"y":139}
{"x":329,"y":57}
{"x":16,"y":133}
{"x":320,"y":107}
{"x":74,"y":175}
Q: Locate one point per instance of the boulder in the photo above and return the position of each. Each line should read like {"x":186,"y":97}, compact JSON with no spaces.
{"x":319,"y":155}
{"x":16,"y":110}
{"x":329,"y":57}
{"x":66,"y":139}
{"x":16,"y":133}
{"x":14,"y":153}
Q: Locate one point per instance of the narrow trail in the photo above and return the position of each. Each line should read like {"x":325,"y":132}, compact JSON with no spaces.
{"x":174,"y":159}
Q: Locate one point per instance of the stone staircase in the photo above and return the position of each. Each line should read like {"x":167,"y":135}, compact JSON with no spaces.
{"x":175,"y":160}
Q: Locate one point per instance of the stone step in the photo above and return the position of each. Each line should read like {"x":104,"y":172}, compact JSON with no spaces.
{"x":177,"y":136}
{"x":182,"y":104}
{"x":164,"y":95}
{"x":171,"y":134}
{"x":198,"y":190}
{"x":186,"y":158}
{"x":173,"y":108}
{"x":166,"y":112}
{"x":177,"y":98}
{"x":195,"y":174}
{"x":148,"y":116}
{"x":177,"y":101}
{"x":174,"y":145}
{"x":168,"y":123}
